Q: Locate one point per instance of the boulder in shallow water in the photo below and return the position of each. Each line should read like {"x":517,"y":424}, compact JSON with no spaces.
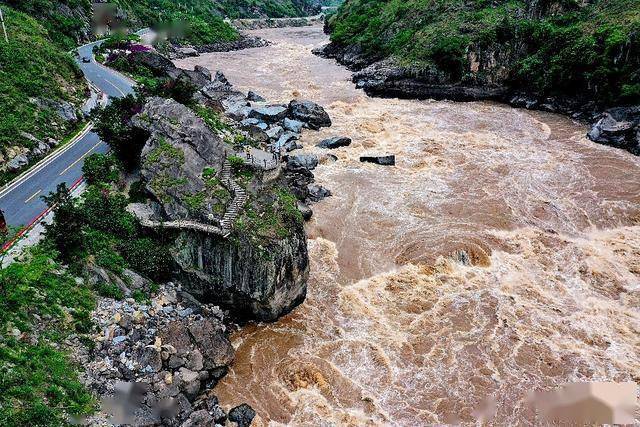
{"x":269,"y":114}
{"x":380,"y":160}
{"x":302,"y":161}
{"x":618,"y":127}
{"x":335,"y":142}
{"x":242,"y":415}
{"x":318,"y":192}
{"x":310,"y":113}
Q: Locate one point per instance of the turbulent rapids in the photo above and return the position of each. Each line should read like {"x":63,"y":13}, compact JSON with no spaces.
{"x":500,"y":256}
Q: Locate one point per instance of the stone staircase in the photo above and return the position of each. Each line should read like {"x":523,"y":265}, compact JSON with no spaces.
{"x":239,"y":199}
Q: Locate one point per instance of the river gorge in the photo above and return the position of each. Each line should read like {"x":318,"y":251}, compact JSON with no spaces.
{"x":501,"y":255}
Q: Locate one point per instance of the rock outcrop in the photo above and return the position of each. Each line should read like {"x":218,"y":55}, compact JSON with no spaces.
{"x":184,"y":168}
{"x":312,"y":114}
{"x":618,"y":127}
{"x":389,"y":160}
{"x":335,"y":142}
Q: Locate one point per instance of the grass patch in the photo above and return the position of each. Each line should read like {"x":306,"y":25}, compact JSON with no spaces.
{"x":39,"y":384}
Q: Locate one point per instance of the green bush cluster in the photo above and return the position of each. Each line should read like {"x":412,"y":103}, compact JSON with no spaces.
{"x":113,"y":124}
{"x":590,"y":50}
{"x":64,"y":29}
{"x":98,"y":228}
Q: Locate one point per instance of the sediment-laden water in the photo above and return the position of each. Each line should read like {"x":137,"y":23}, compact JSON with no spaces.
{"x":501,"y":255}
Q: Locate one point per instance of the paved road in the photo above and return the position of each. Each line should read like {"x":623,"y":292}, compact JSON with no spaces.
{"x":21,"y":200}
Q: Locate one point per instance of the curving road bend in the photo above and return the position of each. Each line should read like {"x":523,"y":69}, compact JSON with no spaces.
{"x":21,"y":199}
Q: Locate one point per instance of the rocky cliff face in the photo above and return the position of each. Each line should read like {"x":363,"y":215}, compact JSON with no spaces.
{"x":256,"y":282}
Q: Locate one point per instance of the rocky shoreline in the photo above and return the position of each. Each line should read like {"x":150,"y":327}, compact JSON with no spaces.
{"x":617,"y":127}
{"x":156,"y":361}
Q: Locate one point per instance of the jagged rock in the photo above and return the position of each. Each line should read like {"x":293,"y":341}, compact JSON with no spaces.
{"x":335,"y":142}
{"x":210,"y":267}
{"x":275,"y":132}
{"x":302,"y":161}
{"x":40,"y":149}
{"x":164,"y":67}
{"x":135,"y":280}
{"x":294,"y":126}
{"x":252,"y":96}
{"x":618,"y":127}
{"x":379,"y":160}
{"x":292,"y":145}
{"x":189,"y":382}
{"x":200,"y":418}
{"x":243,"y":415}
{"x":149,"y":359}
{"x":186,"y":52}
{"x":17,"y":163}
{"x":269,"y":114}
{"x":181,"y":146}
{"x":318,"y":192}
{"x":305,"y":210}
{"x":310,"y":113}
{"x":285,"y":139}
{"x":237,"y":276}
{"x":205,"y":72}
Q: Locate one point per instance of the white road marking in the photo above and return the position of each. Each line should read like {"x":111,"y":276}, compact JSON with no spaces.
{"x":116,"y":87}
{"x":32,"y":196}
{"x":80,"y":158}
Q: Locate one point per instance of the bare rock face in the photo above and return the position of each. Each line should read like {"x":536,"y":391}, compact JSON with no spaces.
{"x":182,"y":160}
{"x":254,"y":283}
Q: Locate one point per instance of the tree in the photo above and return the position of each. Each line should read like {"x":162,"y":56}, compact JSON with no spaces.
{"x":113,"y":124}
{"x":65,"y":231}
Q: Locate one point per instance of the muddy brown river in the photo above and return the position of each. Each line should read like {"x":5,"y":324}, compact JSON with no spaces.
{"x":501,"y":255}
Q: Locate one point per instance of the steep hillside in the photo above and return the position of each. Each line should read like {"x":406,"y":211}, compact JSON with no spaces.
{"x":67,"y":21}
{"x":41,"y":87}
{"x":585,"y":50}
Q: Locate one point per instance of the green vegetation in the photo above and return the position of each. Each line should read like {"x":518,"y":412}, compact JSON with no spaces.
{"x":592,"y":50}
{"x":64,"y":20}
{"x":113,"y":124}
{"x":32,"y":68}
{"x":275,"y":216}
{"x":97,"y":228}
{"x":212,"y":118}
{"x":101,"y":168}
{"x":39,"y":384}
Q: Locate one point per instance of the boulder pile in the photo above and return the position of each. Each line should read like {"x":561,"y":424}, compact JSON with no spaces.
{"x":157,"y":359}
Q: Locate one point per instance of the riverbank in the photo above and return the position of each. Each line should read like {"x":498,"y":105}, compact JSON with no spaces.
{"x":617,"y":127}
{"x":499,"y":244}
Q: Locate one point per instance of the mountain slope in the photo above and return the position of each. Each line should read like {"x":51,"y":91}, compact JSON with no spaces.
{"x":588,"y":50}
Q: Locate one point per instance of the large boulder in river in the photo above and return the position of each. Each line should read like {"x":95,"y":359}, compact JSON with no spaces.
{"x":618,"y":127}
{"x":389,"y":160}
{"x":335,"y":142}
{"x":182,"y":166}
{"x":310,"y":113}
{"x":302,"y":161}
{"x":269,"y":114}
